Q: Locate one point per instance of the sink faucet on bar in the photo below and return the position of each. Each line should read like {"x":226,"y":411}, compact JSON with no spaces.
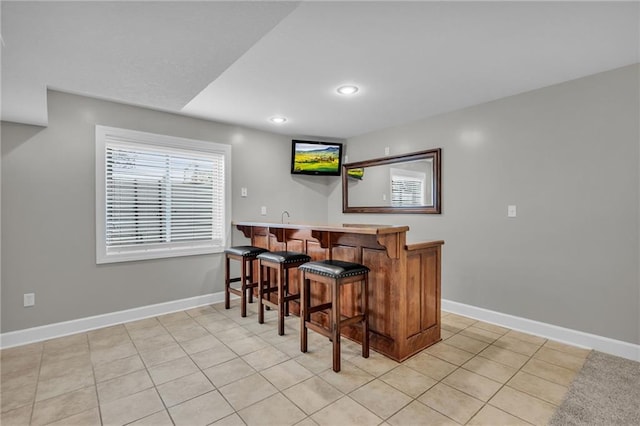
{"x":282,"y":216}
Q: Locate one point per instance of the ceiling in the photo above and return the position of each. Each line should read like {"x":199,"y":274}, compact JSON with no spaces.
{"x":245,"y":62}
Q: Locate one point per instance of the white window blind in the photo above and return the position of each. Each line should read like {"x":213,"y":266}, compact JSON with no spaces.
{"x":159,"y":200}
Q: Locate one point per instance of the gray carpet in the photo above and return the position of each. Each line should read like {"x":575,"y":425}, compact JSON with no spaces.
{"x":605,"y":392}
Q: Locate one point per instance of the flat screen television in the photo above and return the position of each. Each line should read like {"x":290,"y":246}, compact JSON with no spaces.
{"x":316,"y":158}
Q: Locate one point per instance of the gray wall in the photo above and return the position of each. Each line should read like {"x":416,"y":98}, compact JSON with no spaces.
{"x":48,"y":211}
{"x":568,"y":157}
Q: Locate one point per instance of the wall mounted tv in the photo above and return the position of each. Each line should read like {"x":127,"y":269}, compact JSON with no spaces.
{"x":316,"y":158}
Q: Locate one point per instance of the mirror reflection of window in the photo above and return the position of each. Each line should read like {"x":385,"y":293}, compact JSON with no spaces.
{"x":407,"y":188}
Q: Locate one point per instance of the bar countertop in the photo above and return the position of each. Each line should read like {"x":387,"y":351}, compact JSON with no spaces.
{"x":353,"y":228}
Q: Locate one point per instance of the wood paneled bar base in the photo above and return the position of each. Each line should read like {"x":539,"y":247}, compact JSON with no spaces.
{"x":404,"y":282}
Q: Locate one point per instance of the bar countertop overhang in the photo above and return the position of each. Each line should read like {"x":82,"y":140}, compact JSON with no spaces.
{"x":354,"y":228}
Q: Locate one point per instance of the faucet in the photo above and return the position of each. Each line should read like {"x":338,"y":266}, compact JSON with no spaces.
{"x":282,"y":216}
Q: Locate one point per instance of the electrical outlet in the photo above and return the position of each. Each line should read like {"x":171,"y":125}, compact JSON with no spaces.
{"x":263,"y":210}
{"x":511,"y":211}
{"x":243,"y":192}
{"x":386,"y":150}
{"x":29,"y":299}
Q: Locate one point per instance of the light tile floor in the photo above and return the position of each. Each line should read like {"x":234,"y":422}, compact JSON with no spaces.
{"x":210,"y":366}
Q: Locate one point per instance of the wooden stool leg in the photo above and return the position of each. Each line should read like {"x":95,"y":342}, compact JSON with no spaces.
{"x":260,"y":294}
{"x":286,"y":291}
{"x":281,"y":275}
{"x":227,"y":284}
{"x":250,"y":279}
{"x":304,"y":311}
{"x":268,"y":286}
{"x":243,"y":289}
{"x":335,"y":319}
{"x":365,"y":320}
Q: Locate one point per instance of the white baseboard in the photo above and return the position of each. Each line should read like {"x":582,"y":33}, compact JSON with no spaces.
{"x":565,"y":335}
{"x":549,"y":331}
{"x":50,"y":331}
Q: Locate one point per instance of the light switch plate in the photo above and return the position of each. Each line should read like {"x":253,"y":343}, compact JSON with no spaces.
{"x":511,"y":211}
{"x":29,"y":299}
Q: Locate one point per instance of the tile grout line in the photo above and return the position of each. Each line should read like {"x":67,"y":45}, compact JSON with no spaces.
{"x":520,"y":369}
{"x":95,"y":379}
{"x":505,"y":384}
{"x":201,"y":370}
{"x":316,"y":375}
{"x":146,"y":368}
{"x":217,"y":389}
{"x":280,"y":391}
{"x":484,"y":403}
{"x":33,"y":404}
{"x":502,"y":385}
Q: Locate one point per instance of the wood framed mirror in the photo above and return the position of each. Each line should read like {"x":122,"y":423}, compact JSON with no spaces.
{"x":407,"y":183}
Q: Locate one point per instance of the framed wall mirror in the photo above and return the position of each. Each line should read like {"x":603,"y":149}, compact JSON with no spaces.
{"x":407,"y":183}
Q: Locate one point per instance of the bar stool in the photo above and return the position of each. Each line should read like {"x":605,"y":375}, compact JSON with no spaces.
{"x":246,"y":255}
{"x":281,"y":262}
{"x":335,"y":274}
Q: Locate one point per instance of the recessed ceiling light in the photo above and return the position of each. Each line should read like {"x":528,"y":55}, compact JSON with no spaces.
{"x":278,"y":120}
{"x":347,"y":90}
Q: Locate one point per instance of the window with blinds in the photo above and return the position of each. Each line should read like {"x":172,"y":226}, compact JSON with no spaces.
{"x":159,"y":196}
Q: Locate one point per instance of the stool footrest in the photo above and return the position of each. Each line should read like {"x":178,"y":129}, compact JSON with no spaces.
{"x":238,"y":291}
{"x":318,"y":329}
{"x":349,"y":321}
{"x":290,"y":297}
{"x":286,"y":299}
{"x":344,"y":322}
{"x":269,"y":303}
{"x":322,"y":307}
{"x":270,"y":290}
{"x":235,"y":291}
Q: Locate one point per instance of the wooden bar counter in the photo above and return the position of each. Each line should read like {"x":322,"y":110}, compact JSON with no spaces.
{"x":404,"y":282}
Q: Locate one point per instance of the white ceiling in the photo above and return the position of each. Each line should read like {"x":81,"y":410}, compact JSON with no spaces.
{"x":244,"y":62}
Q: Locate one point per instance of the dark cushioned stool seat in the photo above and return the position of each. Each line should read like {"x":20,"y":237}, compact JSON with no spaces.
{"x":245,"y":251}
{"x":284,"y":257}
{"x":334,"y":274}
{"x":246,"y":255}
{"x":281,"y":262}
{"x":334,"y":268}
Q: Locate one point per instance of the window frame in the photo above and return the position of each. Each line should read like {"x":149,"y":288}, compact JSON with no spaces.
{"x":163,"y":143}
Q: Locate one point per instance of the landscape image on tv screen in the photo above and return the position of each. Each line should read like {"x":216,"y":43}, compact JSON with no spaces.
{"x":316,"y":158}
